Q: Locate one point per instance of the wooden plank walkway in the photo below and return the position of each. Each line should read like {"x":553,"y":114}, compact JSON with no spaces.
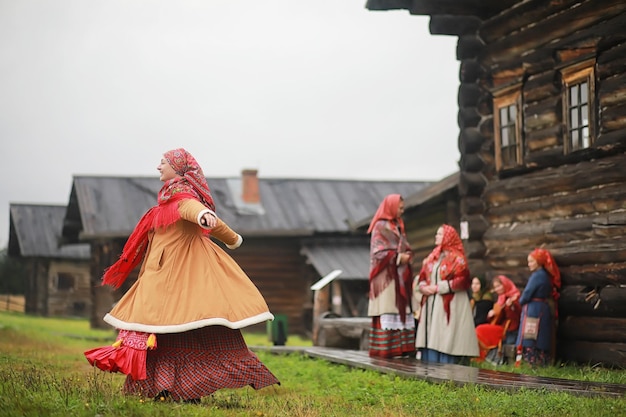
{"x":457,"y":374}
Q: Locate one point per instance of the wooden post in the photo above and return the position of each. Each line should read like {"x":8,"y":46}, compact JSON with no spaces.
{"x":321,"y":305}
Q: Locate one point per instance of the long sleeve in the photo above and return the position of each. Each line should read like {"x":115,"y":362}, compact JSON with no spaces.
{"x":192,"y":210}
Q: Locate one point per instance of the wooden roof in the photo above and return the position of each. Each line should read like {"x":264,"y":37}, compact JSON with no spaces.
{"x":351,"y":256}
{"x":108,"y":207}
{"x":479,"y":8}
{"x":35,"y":231}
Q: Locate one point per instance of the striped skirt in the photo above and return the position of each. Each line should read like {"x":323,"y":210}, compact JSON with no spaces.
{"x":392,"y":339}
{"x":197,"y":363}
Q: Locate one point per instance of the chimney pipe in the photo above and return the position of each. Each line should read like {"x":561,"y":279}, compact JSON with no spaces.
{"x":250,"y":186}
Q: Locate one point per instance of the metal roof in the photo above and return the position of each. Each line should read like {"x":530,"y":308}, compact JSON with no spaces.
{"x":349,"y":256}
{"x":102,"y":206}
{"x":35,"y":231}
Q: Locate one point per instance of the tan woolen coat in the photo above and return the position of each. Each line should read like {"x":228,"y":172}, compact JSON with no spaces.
{"x":187,"y":281}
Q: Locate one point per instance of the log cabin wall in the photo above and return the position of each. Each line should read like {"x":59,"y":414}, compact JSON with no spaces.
{"x":421,"y":223}
{"x":276,"y":267}
{"x":571,"y":203}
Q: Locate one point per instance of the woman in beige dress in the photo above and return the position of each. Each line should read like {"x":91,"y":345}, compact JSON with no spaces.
{"x":179,"y":323}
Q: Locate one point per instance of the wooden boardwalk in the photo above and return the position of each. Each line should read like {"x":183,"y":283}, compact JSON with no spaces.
{"x":457,"y":374}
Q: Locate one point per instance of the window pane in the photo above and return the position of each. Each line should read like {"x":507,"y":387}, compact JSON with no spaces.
{"x":573,"y":95}
{"x":585,"y":139}
{"x":573,"y":118}
{"x":504,"y":116}
{"x":584,"y":88}
{"x":574,"y":140}
{"x":505,"y":137}
{"x":584,"y":113}
{"x":513,"y":111}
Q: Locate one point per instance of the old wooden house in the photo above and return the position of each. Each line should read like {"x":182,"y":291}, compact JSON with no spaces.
{"x":295,"y":231}
{"x":542,"y":118}
{"x":58,"y":274}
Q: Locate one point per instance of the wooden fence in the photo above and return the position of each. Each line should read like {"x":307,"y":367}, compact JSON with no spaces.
{"x":12,"y":303}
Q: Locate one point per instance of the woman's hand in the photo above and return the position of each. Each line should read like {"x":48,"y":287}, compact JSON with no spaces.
{"x":428,"y":289}
{"x":490,"y":314}
{"x":405,"y":258}
{"x":208,"y":220}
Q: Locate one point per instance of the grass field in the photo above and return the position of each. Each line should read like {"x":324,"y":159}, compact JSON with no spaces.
{"x":44,"y":373}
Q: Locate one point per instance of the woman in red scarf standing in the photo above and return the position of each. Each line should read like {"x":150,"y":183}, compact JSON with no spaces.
{"x":392,"y":333}
{"x":179,"y":323}
{"x":445,"y":332}
{"x":539,"y":300}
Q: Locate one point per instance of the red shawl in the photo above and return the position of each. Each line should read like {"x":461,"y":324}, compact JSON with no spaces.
{"x":510,"y":289}
{"x":388,"y":236}
{"x":453,"y":266}
{"x":190,"y":184}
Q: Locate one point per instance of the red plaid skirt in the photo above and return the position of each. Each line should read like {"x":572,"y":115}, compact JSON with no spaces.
{"x":197,"y":363}
{"x":387,"y":343}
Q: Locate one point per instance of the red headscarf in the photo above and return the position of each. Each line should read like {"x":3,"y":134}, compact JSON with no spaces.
{"x":388,"y":210}
{"x":510,"y":289}
{"x":190,"y":184}
{"x":544,"y":258}
{"x":193,"y":181}
{"x":453,"y":265}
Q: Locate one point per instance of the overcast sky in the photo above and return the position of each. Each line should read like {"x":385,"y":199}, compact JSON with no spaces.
{"x":295,"y":89}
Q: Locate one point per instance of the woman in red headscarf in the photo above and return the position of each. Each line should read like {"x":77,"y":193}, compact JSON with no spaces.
{"x":392,"y":332}
{"x":539,"y":309}
{"x":504,"y":321}
{"x":445,"y":332}
{"x":179,"y":323}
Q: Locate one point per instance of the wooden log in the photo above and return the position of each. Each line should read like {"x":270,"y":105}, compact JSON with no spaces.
{"x":523,"y":15}
{"x":477,"y":226}
{"x":475,"y":249}
{"x":471,"y":162}
{"x":541,"y":86}
{"x":472,"y":205}
{"x":593,"y":329}
{"x":611,"y":141}
{"x":453,"y":25}
{"x":613,"y":118}
{"x":542,"y":114}
{"x":592,"y":275}
{"x":611,"y":61}
{"x":469,"y":94}
{"x":560,"y":26}
{"x":469,"y":46}
{"x":471,"y":184}
{"x":470,"y":71}
{"x":604,"y":302}
{"x":590,"y":353}
{"x":612,"y":92}
{"x":564,"y":179}
{"x":543,"y":137}
{"x":470,"y":140}
{"x":468,"y":117}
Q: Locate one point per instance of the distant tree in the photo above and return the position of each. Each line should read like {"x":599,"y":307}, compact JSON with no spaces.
{"x":13,"y":275}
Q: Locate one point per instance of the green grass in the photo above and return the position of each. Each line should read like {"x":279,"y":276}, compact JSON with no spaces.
{"x":44,"y":373}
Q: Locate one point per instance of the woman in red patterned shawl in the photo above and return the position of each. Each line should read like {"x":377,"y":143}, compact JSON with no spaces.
{"x":392,"y":332}
{"x":503,"y":323}
{"x":179,"y":323}
{"x":445,"y":332}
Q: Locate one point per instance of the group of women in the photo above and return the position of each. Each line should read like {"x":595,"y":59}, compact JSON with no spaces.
{"x":431,"y":314}
{"x":173,"y":344}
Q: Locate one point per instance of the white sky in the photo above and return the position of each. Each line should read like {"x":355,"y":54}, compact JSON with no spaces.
{"x":295,"y":89}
